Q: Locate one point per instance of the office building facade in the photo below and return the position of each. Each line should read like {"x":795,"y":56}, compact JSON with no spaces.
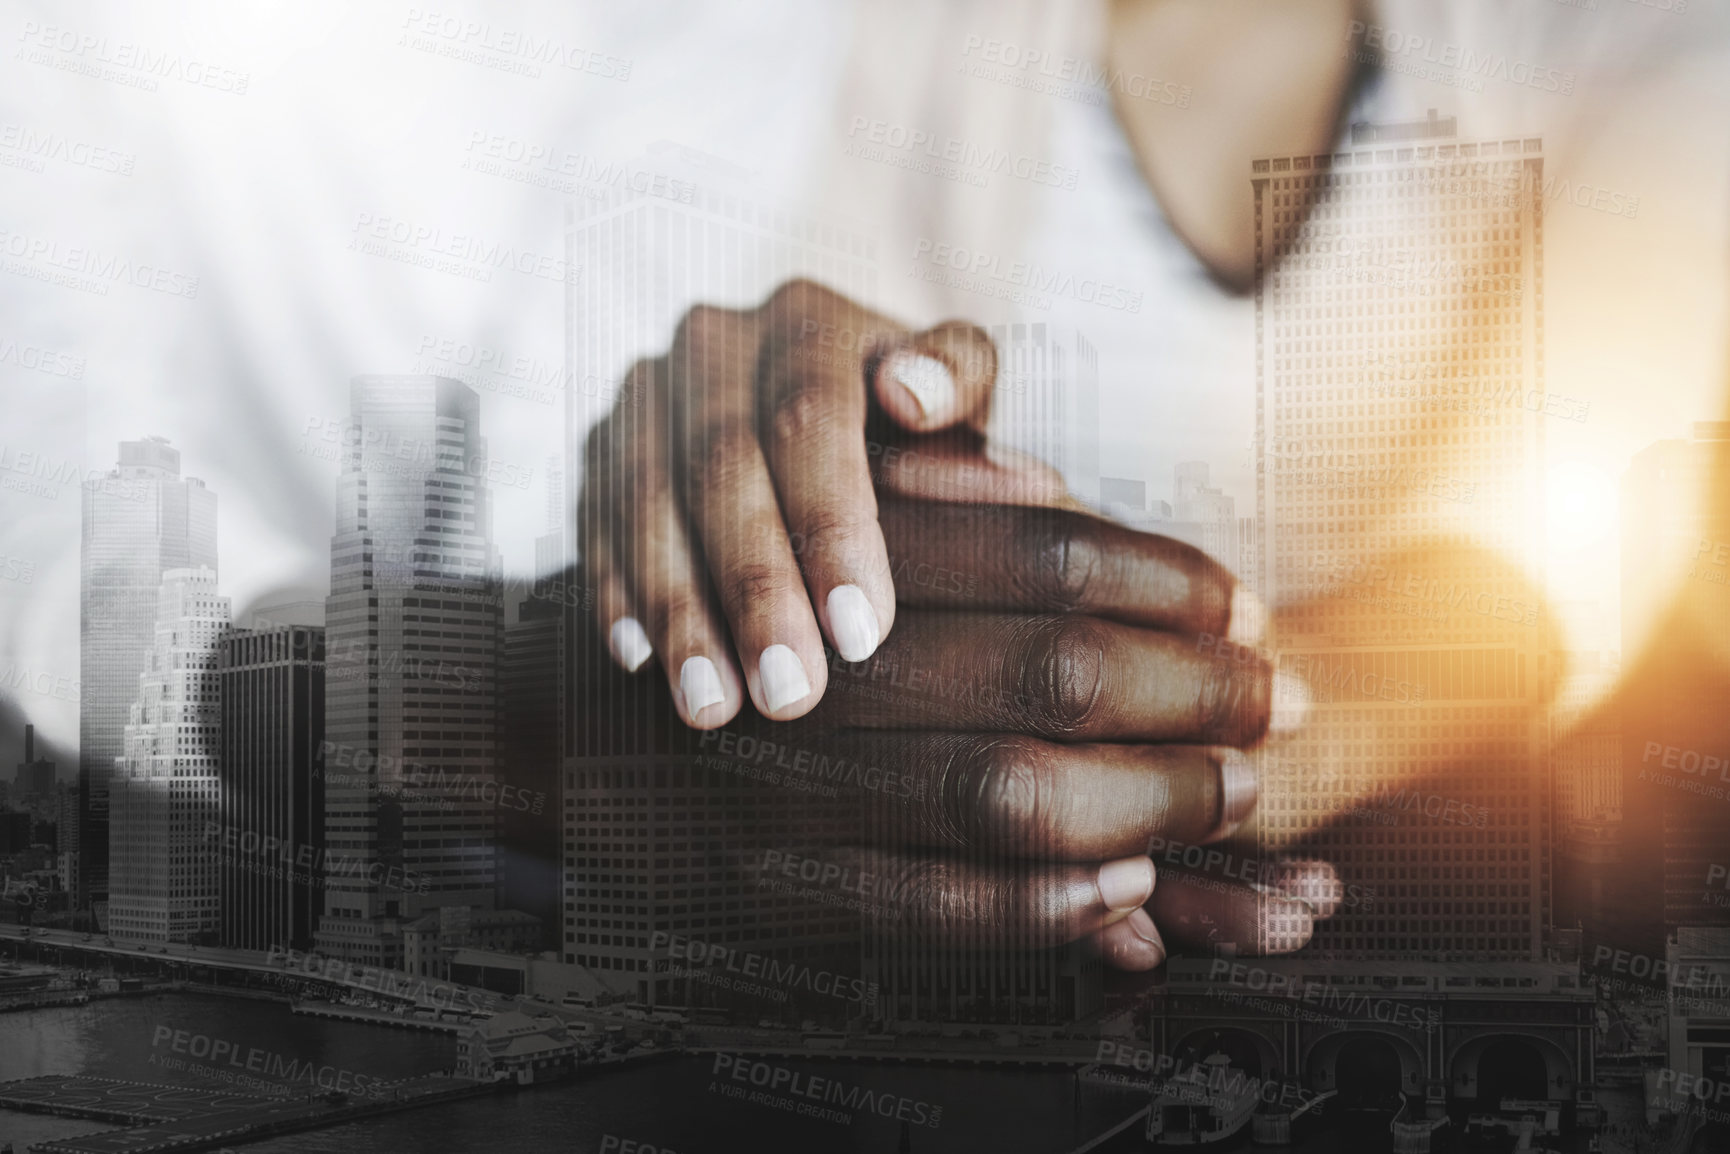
{"x":1395,"y":342}
{"x":411,"y":660}
{"x":34,"y":781}
{"x":166,"y":789}
{"x":139,"y":521}
{"x":270,"y":873}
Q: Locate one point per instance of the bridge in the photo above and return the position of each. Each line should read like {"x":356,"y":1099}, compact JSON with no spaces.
{"x":291,"y":973}
{"x":158,"y":1118}
{"x":1460,"y":1035}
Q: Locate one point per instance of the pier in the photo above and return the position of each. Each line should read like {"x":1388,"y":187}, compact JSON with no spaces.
{"x":160,"y":1117}
{"x":374,"y":1017}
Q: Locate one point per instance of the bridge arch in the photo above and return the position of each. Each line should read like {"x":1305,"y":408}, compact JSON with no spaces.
{"x":1511,"y":1064}
{"x":1355,"y":1053}
{"x":1250,"y":1051}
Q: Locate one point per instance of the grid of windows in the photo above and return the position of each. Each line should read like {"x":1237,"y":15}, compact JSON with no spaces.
{"x":166,"y":791}
{"x":1399,"y":338}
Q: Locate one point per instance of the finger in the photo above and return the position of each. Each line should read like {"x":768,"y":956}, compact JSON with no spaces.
{"x":1031,"y":560}
{"x":627,"y":641}
{"x":1069,"y":678}
{"x":1024,"y":797}
{"x":761,"y":592}
{"x":1315,"y":883}
{"x":1196,"y":912}
{"x":813,"y":424}
{"x":960,"y":465}
{"x":665,"y":581}
{"x":735,"y":513}
{"x":956,"y":903}
{"x":941,"y":377}
{"x":1132,"y":944}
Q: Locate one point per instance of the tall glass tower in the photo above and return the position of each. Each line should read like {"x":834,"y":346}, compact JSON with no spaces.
{"x":412,"y":632}
{"x":139,"y":521}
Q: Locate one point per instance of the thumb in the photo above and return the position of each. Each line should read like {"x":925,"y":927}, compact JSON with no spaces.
{"x":938,"y":379}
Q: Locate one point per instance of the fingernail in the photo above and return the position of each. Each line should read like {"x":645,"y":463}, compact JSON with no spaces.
{"x":1125,"y":883}
{"x":1238,"y":789}
{"x":701,"y":685}
{"x":853,"y":623}
{"x":1314,"y":883}
{"x":1291,"y":704}
{"x":1142,"y":926}
{"x":783,"y":676}
{"x":1248,"y":618}
{"x":927,"y":379}
{"x":630,"y":644}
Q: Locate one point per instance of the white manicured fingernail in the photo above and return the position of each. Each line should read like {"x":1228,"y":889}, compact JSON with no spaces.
{"x":701,"y":685}
{"x":853,"y":623}
{"x":1248,"y":618}
{"x":630,"y":644}
{"x":1291,"y":704}
{"x":783,"y":676}
{"x":927,"y":378}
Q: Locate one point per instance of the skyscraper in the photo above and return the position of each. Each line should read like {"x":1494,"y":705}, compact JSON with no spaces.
{"x":532,"y":686}
{"x":1586,"y":760}
{"x":1675,"y":760}
{"x":165,"y":787}
{"x":411,"y":659}
{"x":139,"y":521}
{"x":529,"y":704}
{"x":34,"y":780}
{"x":1395,"y":343}
{"x":272,"y":701}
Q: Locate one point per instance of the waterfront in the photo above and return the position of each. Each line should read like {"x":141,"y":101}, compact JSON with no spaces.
{"x":690,"y":1105}
{"x":121,"y":1038}
{"x":679,"y":1106}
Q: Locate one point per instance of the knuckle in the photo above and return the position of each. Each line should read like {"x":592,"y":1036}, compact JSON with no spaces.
{"x":751,"y":586}
{"x":1209,"y":584}
{"x":1222,"y":701}
{"x":702,"y":328}
{"x":1217,"y":698}
{"x":827,"y":528}
{"x":726,"y":449}
{"x":1064,"y":667}
{"x":942,"y":899}
{"x":672,"y":610}
{"x":804,"y":409}
{"x":643,"y":378}
{"x":908,"y":884}
{"x":604,"y":449}
{"x":969,"y":349}
{"x":793,"y":298}
{"x":1013,"y":795}
{"x":965,"y":786}
{"x":1066,"y":555}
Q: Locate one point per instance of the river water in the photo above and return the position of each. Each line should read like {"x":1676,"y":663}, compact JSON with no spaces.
{"x":682,"y":1106}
